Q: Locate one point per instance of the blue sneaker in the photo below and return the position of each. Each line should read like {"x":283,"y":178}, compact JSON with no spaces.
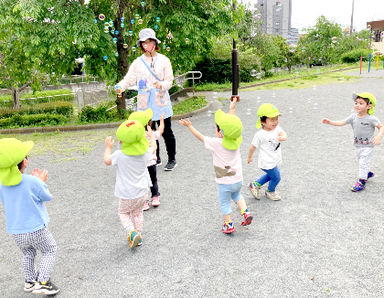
{"x":359,"y":186}
{"x":370,"y":174}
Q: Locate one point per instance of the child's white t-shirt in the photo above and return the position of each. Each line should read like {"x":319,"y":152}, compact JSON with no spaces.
{"x":227,"y":163}
{"x":132,"y":174}
{"x":269,"y":147}
{"x":153,"y":159}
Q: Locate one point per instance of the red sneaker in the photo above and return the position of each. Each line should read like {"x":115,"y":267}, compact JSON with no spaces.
{"x":247,"y":219}
{"x":228,"y":228}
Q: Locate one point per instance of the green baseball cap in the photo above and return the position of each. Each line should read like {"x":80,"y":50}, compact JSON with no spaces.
{"x":132,"y":136}
{"x":142,"y":116}
{"x":370,"y":97}
{"x":268,"y":110}
{"x":12,"y":152}
{"x":232,"y":128}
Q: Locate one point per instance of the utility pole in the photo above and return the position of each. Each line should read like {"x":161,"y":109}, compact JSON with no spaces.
{"x":353,"y":8}
{"x":235,"y":68}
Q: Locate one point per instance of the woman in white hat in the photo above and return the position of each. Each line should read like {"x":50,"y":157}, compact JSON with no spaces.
{"x":153,"y":76}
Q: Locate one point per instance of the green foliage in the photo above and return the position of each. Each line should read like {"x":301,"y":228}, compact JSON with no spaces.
{"x":59,"y":107}
{"x":189,"y":105}
{"x":90,"y":114}
{"x":354,"y":55}
{"x":32,"y":120}
{"x":215,"y":70}
{"x":39,"y":97}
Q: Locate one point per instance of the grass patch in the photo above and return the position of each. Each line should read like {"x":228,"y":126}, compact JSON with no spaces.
{"x":189,"y":105}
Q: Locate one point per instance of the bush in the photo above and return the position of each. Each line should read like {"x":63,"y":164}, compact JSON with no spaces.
{"x":32,"y":120}
{"x":354,"y":55}
{"x":90,"y":114}
{"x":60,"y":107}
{"x":215,"y":70}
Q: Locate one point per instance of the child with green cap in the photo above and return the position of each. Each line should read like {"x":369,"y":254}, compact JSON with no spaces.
{"x":132,"y":176}
{"x":267,"y":139}
{"x":363,"y":124}
{"x":225,"y":150}
{"x":23,"y":197}
{"x":145,"y":118}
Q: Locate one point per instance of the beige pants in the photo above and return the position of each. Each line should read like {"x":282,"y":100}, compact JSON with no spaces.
{"x":131,"y":213}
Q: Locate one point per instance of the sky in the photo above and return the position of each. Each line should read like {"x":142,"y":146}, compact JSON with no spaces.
{"x":305,"y":12}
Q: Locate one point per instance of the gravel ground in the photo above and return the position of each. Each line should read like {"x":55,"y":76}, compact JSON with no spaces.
{"x":320,"y":240}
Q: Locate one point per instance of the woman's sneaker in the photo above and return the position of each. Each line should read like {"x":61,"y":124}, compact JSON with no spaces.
{"x":134,"y":238}
{"x":359,"y":186}
{"x":228,"y":228}
{"x":29,"y":286}
{"x":272,"y":195}
{"x":255,"y":190}
{"x":46,"y":288}
{"x":155,"y":201}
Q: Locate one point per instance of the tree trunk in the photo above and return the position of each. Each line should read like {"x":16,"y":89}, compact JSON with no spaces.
{"x":16,"y":99}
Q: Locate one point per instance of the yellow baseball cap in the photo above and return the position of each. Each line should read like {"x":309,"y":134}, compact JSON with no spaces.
{"x":142,"y":116}
{"x":132,"y":136}
{"x":232,"y":128}
{"x":12,"y":152}
{"x":268,"y":110}
{"x":370,"y":97}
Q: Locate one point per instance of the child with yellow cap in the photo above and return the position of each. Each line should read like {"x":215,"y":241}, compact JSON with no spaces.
{"x":23,"y":197}
{"x":145,"y":118}
{"x":363,"y":124}
{"x":267,"y":139}
{"x":225,"y":150}
{"x":132,"y":176}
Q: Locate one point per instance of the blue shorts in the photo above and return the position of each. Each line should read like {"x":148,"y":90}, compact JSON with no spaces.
{"x":226,"y":192}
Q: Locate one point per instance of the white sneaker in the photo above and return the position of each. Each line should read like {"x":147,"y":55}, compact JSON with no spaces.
{"x":272,"y":195}
{"x":255,"y":190}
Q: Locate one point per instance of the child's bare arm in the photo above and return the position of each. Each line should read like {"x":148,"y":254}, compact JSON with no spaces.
{"x":194,"y":131}
{"x":250,"y":153}
{"x":161,"y":126}
{"x":232,"y":107}
{"x":334,"y":123}
{"x":377,"y":139}
{"x":109,"y":142}
{"x":282,"y":136}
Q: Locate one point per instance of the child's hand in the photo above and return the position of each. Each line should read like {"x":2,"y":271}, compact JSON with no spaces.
{"x":326,"y":121}
{"x":109,"y":142}
{"x":162,"y":116}
{"x":149,"y":131}
{"x":232,"y":103}
{"x":158,"y":85}
{"x":376,"y":140}
{"x":249,"y":160}
{"x":43,"y":175}
{"x":282,"y":138}
{"x":185,"y":122}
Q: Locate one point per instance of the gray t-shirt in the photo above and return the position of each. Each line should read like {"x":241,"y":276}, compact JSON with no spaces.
{"x":363,"y":129}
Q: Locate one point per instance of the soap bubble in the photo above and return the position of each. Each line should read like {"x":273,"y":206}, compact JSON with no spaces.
{"x":130,"y":32}
{"x":114,"y":40}
{"x":111,"y":23}
{"x":164,"y":46}
{"x":106,"y":24}
{"x":95,"y":21}
{"x":101,"y":17}
{"x":186,"y":40}
{"x":137,"y":16}
{"x":156,"y":27}
{"x":105,"y":58}
{"x":168,"y":49}
{"x":158,"y":19}
{"x":142,"y":3}
{"x":133,"y":49}
{"x":122,"y":25}
{"x":140,"y":21}
{"x":122,"y":19}
{"x":125,"y":46}
{"x":132,"y":21}
{"x":116,"y":32}
{"x":253,"y":72}
{"x":117,"y":54}
{"x":106,"y":30}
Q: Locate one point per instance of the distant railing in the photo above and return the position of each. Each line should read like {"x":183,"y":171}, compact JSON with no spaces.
{"x":179,"y":81}
{"x":75,"y":79}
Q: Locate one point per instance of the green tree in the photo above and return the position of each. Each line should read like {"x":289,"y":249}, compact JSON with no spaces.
{"x":39,"y":38}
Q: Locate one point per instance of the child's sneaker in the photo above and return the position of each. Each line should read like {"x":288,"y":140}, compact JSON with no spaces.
{"x":370,"y":174}
{"x":133,"y":238}
{"x":146,"y":206}
{"x":359,"y":186}
{"x":29,"y":286}
{"x":140,"y":242}
{"x":255,"y":190}
{"x":247,"y":218}
{"x":228,"y":228}
{"x":272,"y":195}
{"x":155,"y":201}
{"x":45,"y":287}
